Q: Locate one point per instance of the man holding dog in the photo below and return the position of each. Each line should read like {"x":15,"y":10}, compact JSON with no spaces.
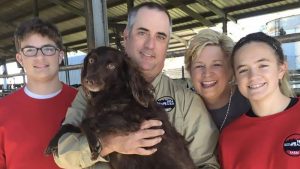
{"x":146,"y":40}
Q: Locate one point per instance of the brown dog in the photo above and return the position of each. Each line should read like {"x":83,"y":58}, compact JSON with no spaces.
{"x":119,"y":101}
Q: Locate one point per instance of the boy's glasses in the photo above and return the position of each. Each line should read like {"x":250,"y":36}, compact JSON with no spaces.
{"x":46,"y":51}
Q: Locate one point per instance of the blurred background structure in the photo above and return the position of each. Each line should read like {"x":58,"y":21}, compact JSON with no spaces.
{"x":86,"y":24}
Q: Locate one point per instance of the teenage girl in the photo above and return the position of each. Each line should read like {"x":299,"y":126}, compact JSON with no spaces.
{"x":267,"y":136}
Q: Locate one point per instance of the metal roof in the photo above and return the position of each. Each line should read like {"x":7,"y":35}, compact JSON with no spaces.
{"x":187,"y":15}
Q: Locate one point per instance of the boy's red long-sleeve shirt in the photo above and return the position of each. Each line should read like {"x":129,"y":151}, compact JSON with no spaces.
{"x":26,"y":127}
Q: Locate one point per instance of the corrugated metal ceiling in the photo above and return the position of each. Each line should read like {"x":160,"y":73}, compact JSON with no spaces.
{"x":68,"y":15}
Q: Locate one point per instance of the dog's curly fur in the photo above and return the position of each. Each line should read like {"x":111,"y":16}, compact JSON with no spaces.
{"x":119,"y":101}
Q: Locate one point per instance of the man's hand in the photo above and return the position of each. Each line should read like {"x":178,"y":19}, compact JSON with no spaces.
{"x":135,"y":142}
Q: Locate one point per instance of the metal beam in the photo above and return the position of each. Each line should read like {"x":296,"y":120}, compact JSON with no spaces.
{"x":249,"y":5}
{"x":168,"y":6}
{"x":288,"y":38}
{"x":225,"y":25}
{"x":73,"y":30}
{"x":63,"y":18}
{"x":97,"y":24}
{"x":173,"y":35}
{"x":227,"y":10}
{"x":55,"y":20}
{"x":7,"y":25}
{"x":175,"y":47}
{"x":27,"y":11}
{"x":66,"y":63}
{"x":189,"y":26}
{"x":196,"y":16}
{"x":6,"y":35}
{"x":218,"y":11}
{"x":231,"y":9}
{"x":35,"y":8}
{"x":75,"y":42}
{"x":84,"y":41}
{"x":111,"y":4}
{"x":191,"y":13}
{"x":188,"y":19}
{"x":268,"y":10}
{"x":176,"y":53}
{"x":69,"y":7}
{"x":238,"y":16}
{"x":5,"y":52}
{"x":80,"y":47}
{"x":130,"y":4}
{"x":4,"y":4}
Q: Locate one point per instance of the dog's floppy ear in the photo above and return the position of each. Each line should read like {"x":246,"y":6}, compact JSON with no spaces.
{"x":139,"y":87}
{"x":84,"y":72}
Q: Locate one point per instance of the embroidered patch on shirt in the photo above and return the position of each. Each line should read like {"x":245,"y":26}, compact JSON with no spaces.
{"x":291,"y":145}
{"x":167,"y":102}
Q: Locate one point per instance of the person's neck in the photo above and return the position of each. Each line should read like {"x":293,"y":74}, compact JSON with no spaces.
{"x":270,"y":106}
{"x":44,"y":88}
{"x":149,"y":77}
{"x":219,"y":102}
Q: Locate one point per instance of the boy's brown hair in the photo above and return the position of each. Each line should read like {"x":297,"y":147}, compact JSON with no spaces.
{"x":37,"y":26}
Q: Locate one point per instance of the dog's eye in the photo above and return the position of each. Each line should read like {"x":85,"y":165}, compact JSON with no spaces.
{"x":111,"y":66}
{"x":91,"y":60}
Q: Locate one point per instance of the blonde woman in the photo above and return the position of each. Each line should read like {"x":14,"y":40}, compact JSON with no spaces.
{"x":208,"y":61}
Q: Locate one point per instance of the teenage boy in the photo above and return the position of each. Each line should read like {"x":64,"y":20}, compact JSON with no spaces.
{"x":31,"y":116}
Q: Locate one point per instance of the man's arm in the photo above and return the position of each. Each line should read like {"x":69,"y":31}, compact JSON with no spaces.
{"x":74,"y":152}
{"x":76,"y":113}
{"x":135,"y":142}
{"x":73,"y":149}
{"x":201,"y":133}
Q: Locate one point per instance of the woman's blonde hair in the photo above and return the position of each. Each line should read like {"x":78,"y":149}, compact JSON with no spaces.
{"x":203,"y":38}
